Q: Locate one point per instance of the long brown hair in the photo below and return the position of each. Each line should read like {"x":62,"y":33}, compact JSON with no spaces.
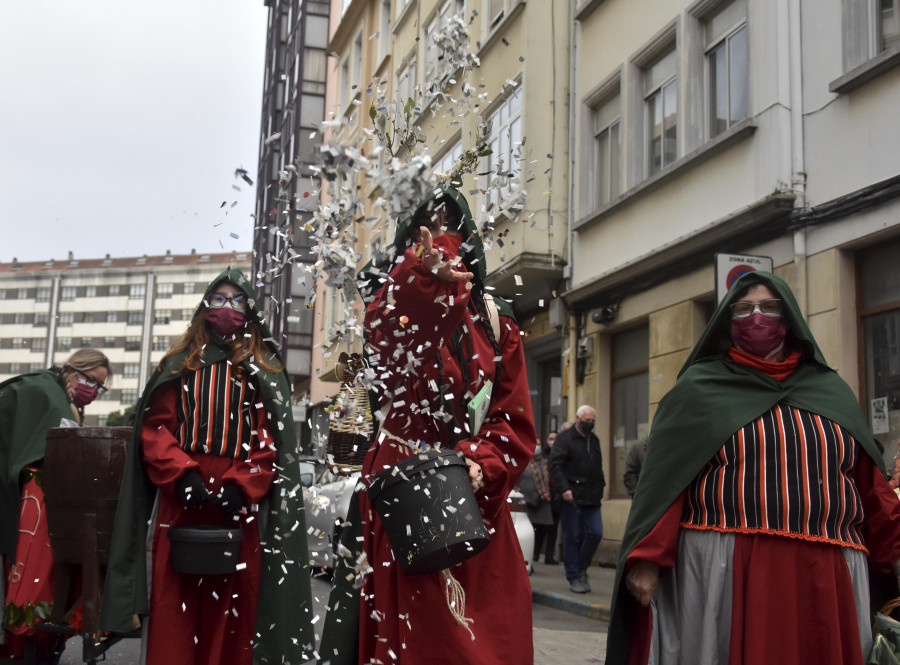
{"x":196,"y":337}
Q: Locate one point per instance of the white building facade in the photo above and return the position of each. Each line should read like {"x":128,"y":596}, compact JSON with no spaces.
{"x":131,"y":309}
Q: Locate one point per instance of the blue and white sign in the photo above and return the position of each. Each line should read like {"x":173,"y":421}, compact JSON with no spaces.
{"x":729,"y":267}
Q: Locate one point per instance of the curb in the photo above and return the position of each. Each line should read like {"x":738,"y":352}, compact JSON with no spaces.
{"x":561,"y":602}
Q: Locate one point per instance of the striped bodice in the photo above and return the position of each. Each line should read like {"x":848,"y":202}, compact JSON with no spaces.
{"x":788,"y":472}
{"x":217,"y":412}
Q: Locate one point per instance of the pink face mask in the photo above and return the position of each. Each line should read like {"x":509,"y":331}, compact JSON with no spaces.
{"x":84,"y":394}
{"x":225,"y":321}
{"x":759,"y":335}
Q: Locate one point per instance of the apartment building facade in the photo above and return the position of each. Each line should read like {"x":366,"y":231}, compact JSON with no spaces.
{"x":514,"y":101}
{"x":131,"y":309}
{"x":743,"y":127}
{"x":293,"y":107}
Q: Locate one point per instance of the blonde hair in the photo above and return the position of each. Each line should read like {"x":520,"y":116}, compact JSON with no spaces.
{"x":84,"y":360}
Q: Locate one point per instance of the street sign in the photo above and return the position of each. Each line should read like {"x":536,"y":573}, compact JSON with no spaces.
{"x":731,"y":266}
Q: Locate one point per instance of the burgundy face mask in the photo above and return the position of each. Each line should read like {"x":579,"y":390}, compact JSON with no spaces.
{"x":225,"y":321}
{"x":759,"y":335}
{"x":84,"y":394}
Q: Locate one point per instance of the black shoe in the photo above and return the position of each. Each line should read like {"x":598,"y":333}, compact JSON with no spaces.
{"x":550,"y":561}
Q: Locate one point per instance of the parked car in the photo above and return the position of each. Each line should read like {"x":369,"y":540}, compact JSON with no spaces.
{"x":326,"y":496}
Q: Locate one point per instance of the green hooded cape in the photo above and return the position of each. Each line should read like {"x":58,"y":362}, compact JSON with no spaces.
{"x":713,"y":398}
{"x":284,"y":614}
{"x":30,"y":405}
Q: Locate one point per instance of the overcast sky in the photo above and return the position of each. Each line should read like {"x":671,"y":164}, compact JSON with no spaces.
{"x":122,"y":123}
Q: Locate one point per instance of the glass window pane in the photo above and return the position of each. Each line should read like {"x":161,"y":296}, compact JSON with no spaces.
{"x":515,"y":139}
{"x":889,"y":18}
{"x":654,"y":116}
{"x":725,"y":19}
{"x":606,"y":113}
{"x":880,"y":278}
{"x":631,"y":351}
{"x":660,"y":71}
{"x":603,"y":167}
{"x":718,"y":91}
{"x":670,"y":122}
{"x":312,"y":110}
{"x":615,"y":163}
{"x":313,"y":64}
{"x":882,"y":340}
{"x":737,"y":69}
{"x":317,"y":31}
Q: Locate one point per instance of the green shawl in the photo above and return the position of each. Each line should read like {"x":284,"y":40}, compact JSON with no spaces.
{"x":712,"y":398}
{"x":284,"y":614}
{"x":30,"y":405}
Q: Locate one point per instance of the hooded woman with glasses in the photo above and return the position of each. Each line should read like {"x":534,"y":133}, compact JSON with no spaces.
{"x":31,"y":405}
{"x":214,"y":444}
{"x":763,"y":505}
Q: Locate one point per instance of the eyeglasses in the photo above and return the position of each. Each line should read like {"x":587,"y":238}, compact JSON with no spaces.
{"x":743,"y":309}
{"x":91,"y":382}
{"x":238,"y":300}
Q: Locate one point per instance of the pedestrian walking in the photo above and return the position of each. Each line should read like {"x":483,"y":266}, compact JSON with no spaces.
{"x":577,"y":468}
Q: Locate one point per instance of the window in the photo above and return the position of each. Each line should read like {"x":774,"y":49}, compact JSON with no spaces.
{"x":43,"y":294}
{"x":161,"y":342}
{"x":406,"y":79}
{"x":63,"y":343}
{"x":630,"y":400}
{"x":164,"y":290}
{"x":505,"y":142}
{"x":135,"y":318}
{"x":129,"y":396}
{"x":384,"y":30}
{"x":726,"y":57}
{"x":131,"y":370}
{"x":162,"y":316}
{"x":66,"y":318}
{"x":109,"y":342}
{"x":344,"y":84}
{"x":39,"y":344}
{"x":112,"y":317}
{"x":879,"y":310}
{"x":356,"y":71}
{"x":187,"y":314}
{"x":888,"y":19}
{"x":435,"y":65}
{"x":41,"y":318}
{"x":189,"y":287}
{"x":18,"y":343}
{"x":22,"y":294}
{"x":2,"y":294}
{"x":20,"y":318}
{"x":67,"y":293}
{"x":401,"y":5}
{"x":87,"y":342}
{"x":661,"y":100}
{"x":35,"y":367}
{"x":137,"y":291}
{"x":16,"y":368}
{"x":90,"y":291}
{"x":133,"y":343}
{"x":114,"y":290}
{"x":314,"y":62}
{"x":446,"y":163}
{"x":607,"y":159}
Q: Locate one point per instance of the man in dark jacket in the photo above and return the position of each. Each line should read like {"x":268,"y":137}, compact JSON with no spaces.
{"x":576,"y":465}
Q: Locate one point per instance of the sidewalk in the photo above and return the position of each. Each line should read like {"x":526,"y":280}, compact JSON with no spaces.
{"x":549,"y":587}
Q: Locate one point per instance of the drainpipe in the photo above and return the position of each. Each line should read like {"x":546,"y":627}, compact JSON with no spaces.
{"x":798,"y":162}
{"x":573,"y":108}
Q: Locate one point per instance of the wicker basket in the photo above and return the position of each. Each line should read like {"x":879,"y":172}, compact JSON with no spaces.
{"x":350,"y":430}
